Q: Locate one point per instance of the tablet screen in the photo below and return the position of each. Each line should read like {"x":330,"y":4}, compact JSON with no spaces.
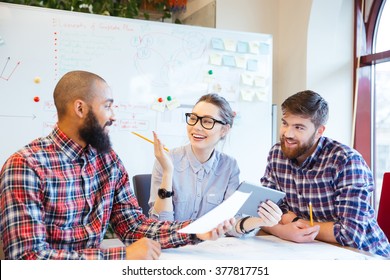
{"x":259,"y":194}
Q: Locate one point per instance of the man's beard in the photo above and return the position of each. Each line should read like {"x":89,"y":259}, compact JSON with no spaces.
{"x":298,"y":151}
{"x":92,"y":133}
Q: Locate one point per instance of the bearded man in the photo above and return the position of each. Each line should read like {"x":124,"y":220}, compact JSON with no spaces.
{"x":59,"y":193}
{"x":324,"y":175}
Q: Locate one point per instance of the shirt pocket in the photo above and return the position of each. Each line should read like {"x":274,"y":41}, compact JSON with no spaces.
{"x":214,"y":199}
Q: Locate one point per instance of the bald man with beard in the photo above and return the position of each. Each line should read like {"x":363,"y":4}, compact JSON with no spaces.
{"x":60,"y":192}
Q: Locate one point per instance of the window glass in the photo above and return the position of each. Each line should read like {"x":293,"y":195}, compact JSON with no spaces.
{"x":382,"y":101}
{"x":382,"y":123}
{"x":383,"y":38}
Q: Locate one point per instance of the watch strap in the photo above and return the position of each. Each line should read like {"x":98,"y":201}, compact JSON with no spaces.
{"x":195,"y":239}
{"x":242,"y":229}
{"x":163,"y":193}
{"x":295,"y":219}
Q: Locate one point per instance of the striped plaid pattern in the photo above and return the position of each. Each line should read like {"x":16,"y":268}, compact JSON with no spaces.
{"x":338,"y":182}
{"x":57,"y":200}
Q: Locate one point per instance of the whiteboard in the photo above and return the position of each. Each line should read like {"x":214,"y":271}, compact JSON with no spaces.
{"x":142,"y":61}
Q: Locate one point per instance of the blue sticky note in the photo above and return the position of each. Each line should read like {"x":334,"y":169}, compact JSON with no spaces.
{"x":242,"y":47}
{"x":228,"y":60}
{"x":264,"y":48}
{"x":217,"y":44}
{"x":252,"y":65}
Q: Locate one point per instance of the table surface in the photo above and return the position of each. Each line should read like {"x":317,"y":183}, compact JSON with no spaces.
{"x":263,"y":247}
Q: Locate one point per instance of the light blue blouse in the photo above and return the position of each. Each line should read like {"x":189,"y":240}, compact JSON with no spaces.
{"x":198,"y":187}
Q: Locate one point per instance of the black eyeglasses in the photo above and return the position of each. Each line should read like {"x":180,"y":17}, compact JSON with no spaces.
{"x":206,"y":122}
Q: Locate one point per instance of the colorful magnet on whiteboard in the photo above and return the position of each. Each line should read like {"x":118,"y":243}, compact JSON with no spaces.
{"x":36,"y":99}
{"x":37,"y":80}
{"x":160,"y":99}
{"x":210,"y":72}
{"x":169,"y":98}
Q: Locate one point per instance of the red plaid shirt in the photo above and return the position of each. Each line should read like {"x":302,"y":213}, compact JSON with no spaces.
{"x":57,"y":200}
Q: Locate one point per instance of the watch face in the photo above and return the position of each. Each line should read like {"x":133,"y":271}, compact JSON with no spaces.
{"x":163,"y":193}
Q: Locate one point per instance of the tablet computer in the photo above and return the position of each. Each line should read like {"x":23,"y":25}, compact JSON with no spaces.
{"x":259,"y":194}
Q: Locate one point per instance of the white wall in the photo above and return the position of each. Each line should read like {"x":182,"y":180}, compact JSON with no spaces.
{"x":330,"y":62}
{"x":313,"y":49}
{"x":251,"y":16}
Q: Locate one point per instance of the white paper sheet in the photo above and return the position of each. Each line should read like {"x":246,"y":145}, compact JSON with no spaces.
{"x":226,"y":210}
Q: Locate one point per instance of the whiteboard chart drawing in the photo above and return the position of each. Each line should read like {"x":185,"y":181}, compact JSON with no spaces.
{"x":157,"y":72}
{"x":8,"y":69}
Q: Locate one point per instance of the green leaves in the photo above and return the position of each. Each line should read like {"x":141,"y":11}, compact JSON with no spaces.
{"x":118,"y":8}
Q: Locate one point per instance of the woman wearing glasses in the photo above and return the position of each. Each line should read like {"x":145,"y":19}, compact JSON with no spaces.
{"x":191,"y":180}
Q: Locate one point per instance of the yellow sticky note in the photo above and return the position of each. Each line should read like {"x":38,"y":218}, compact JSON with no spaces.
{"x":174,"y":103}
{"x":230,"y":45}
{"x":208,"y":79}
{"x":240,"y":61}
{"x":247,"y":94}
{"x":261,"y":95}
{"x":259,"y":81}
{"x":158,"y":106}
{"x":215,"y":59}
{"x":254,"y":47}
{"x":246,"y":79}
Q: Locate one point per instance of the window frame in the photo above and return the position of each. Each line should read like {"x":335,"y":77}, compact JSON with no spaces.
{"x":366,"y":23}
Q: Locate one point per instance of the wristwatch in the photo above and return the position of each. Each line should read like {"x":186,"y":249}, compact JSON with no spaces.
{"x":163,"y":193}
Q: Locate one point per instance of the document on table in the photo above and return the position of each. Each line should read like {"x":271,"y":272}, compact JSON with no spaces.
{"x":226,"y":210}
